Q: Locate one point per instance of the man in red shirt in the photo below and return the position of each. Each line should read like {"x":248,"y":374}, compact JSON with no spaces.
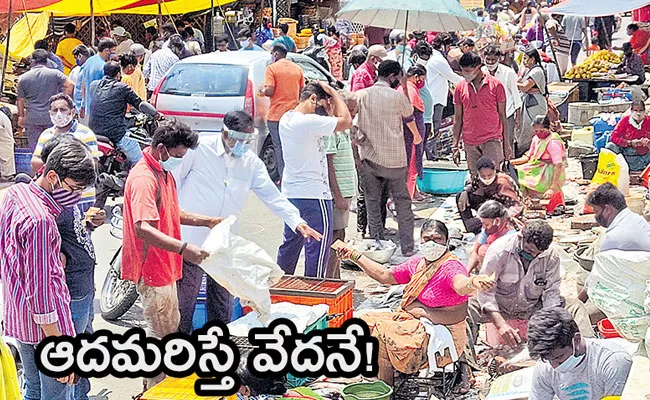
{"x":631,"y":137}
{"x":640,"y":41}
{"x":152,"y":252}
{"x":364,"y":76}
{"x":480,"y":119}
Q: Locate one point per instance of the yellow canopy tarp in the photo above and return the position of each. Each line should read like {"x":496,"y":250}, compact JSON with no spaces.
{"x":79,"y":8}
{"x":28,"y":29}
{"x":173,"y":7}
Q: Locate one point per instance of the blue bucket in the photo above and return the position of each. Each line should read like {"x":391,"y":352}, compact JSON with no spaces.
{"x":442,"y":181}
{"x":23,"y":158}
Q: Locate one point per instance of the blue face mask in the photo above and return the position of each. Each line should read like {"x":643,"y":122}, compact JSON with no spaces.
{"x":525,"y":255}
{"x":571,"y":362}
{"x":171,"y":163}
{"x":239,"y":149}
{"x":400,"y":48}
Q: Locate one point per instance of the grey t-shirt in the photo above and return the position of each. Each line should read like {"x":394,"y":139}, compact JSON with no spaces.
{"x":573,"y":26}
{"x":602,"y":373}
{"x":36,"y":86}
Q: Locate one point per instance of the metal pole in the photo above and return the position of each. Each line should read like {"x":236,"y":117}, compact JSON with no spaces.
{"x":550,"y":43}
{"x":160,"y":20}
{"x":275,"y":12}
{"x":406,"y":24}
{"x":212,"y":33}
{"x":93,"y":34}
{"x":6,"y":60}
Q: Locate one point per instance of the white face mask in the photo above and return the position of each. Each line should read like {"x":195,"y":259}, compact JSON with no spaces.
{"x":244,"y":43}
{"x":422,"y":61}
{"x":432,"y":251}
{"x":638,"y":115}
{"x":60,"y":119}
{"x":492,"y":67}
{"x":488,"y":182}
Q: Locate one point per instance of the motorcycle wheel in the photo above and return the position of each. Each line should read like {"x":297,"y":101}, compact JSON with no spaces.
{"x":117,"y":295}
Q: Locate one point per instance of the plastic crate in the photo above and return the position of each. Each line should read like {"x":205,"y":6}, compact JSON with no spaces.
{"x":23,"y":159}
{"x":337,"y":294}
{"x":178,"y":389}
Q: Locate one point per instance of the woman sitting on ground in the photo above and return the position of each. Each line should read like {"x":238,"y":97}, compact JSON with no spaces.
{"x":489,"y":184}
{"x":496,"y":223}
{"x":631,"y":138}
{"x":437,"y":288}
{"x":541,"y":169}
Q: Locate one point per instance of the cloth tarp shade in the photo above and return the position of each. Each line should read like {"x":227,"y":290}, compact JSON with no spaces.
{"x":597,"y":8}
{"x":28,"y":29}
{"x":422,"y":15}
{"x":23,"y":5}
{"x":69,"y":8}
{"x":173,"y":7}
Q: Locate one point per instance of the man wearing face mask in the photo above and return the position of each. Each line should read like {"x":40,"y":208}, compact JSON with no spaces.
{"x":152,"y":249}
{"x":508,"y":77}
{"x":631,"y":137}
{"x":283,"y":81}
{"x":364,"y":76}
{"x":570,"y":366}
{"x":81,"y":54}
{"x":62,"y":114}
{"x":246,"y":42}
{"x":488,"y":184}
{"x":526,"y":269}
{"x":36,"y":297}
{"x":226,"y":160}
{"x":93,"y":70}
{"x":110,"y":99}
{"x":305,"y":180}
{"x":421,"y":54}
{"x":384,"y":166}
{"x":480,"y":115}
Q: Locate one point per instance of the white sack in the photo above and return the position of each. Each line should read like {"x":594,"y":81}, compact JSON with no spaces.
{"x":241,"y":267}
{"x":618,"y":286}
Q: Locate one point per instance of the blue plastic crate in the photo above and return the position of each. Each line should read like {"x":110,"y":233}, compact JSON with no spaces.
{"x":23,"y":158}
{"x":442,"y":181}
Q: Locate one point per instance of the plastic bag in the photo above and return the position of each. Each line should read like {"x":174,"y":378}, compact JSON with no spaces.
{"x":241,"y":267}
{"x":612,"y":168}
{"x":9,"y":379}
{"x":618,"y":286}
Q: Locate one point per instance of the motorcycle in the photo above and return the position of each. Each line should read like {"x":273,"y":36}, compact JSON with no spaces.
{"x":117,"y":295}
{"x":113,"y":164}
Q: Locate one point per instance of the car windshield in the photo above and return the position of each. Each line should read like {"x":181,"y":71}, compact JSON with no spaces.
{"x":207,"y":80}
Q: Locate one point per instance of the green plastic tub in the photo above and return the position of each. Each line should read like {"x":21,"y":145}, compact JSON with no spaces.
{"x":377,"y":390}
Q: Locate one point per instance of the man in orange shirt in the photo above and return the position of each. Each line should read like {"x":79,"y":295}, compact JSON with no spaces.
{"x":65,"y":47}
{"x":284,"y":97}
{"x":640,"y":41}
{"x":152,"y":251}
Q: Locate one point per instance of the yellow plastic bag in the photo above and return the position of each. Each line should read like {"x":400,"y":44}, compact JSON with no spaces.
{"x":612,"y":168}
{"x":9,"y":389}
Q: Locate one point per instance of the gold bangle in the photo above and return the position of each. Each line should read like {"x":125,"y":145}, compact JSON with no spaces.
{"x":355,"y":256}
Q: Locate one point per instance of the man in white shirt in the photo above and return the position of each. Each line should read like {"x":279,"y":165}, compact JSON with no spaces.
{"x":305,"y":179}
{"x":439,"y":74}
{"x":231,"y":171}
{"x":508,"y":77}
{"x":570,"y":367}
{"x":626,"y":230}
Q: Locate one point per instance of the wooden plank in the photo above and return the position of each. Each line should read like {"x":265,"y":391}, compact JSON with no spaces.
{"x":636,"y":387}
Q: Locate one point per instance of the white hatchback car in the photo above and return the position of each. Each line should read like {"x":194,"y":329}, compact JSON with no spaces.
{"x":200,"y":90}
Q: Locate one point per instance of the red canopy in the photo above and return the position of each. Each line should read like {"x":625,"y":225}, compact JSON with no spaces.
{"x":22,"y":5}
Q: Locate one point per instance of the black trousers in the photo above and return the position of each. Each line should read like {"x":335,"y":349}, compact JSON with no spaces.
{"x":362,"y":212}
{"x":472,"y":223}
{"x":219,"y":301}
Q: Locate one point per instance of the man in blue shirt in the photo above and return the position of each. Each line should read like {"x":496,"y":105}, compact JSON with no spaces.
{"x":285,"y":39}
{"x":93,"y":70}
{"x":245,"y":38}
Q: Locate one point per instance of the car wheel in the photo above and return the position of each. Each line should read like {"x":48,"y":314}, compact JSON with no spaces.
{"x":268,"y":156}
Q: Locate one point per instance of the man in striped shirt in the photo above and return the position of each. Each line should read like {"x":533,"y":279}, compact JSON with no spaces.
{"x":36,"y":298}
